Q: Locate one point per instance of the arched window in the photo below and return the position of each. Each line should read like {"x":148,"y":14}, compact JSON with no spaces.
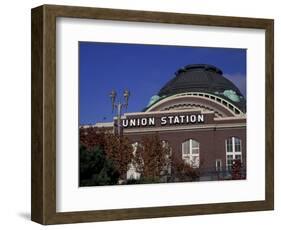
{"x":233,"y":151}
{"x":190,"y":153}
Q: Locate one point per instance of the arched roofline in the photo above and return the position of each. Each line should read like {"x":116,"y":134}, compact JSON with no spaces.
{"x":190,"y":138}
{"x":234,"y":110}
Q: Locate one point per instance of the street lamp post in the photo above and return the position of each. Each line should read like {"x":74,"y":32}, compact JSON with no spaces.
{"x":119,"y":106}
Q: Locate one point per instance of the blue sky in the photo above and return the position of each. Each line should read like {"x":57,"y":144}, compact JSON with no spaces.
{"x":143,"y":69}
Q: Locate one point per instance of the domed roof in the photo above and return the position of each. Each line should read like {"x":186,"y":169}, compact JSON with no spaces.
{"x":203,"y":78}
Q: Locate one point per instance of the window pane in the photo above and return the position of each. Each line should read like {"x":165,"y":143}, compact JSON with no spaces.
{"x":237,"y":157}
{"x":229,"y":141}
{"x":237,"y":141}
{"x":229,"y":146}
{"x":237,"y":145}
{"x":182,"y":148}
{"x":229,"y":162}
{"x":229,"y":157}
{"x":218,"y":165}
{"x":195,"y":144}
{"x":195,"y":162}
{"x":237,"y":148}
{"x":195,"y":151}
{"x":185,"y":149}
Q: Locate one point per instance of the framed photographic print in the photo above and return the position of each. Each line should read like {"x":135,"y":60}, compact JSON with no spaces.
{"x":141,"y":114}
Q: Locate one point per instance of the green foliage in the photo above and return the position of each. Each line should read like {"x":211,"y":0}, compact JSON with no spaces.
{"x":150,"y":180}
{"x":144,"y":180}
{"x":96,"y":168}
{"x":116,"y":148}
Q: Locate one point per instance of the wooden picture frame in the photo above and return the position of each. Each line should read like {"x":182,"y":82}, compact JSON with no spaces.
{"x":43,"y":208}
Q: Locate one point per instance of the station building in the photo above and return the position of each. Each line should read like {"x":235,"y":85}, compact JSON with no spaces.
{"x":200,"y":114}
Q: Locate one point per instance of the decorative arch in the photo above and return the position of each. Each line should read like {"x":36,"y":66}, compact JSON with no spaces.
{"x":203,"y":108}
{"x":203,"y":101}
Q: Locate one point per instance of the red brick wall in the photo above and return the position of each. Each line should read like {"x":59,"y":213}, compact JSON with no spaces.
{"x":212,"y":142}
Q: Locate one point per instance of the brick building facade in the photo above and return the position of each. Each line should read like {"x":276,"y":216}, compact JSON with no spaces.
{"x":201,"y":115}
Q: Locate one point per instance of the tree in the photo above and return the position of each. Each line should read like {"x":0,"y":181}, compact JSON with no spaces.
{"x":151,"y":158}
{"x":91,"y":137}
{"x":236,"y":170}
{"x":96,"y":168}
{"x":116,"y":148}
{"x":182,"y":171}
{"x":120,"y":151}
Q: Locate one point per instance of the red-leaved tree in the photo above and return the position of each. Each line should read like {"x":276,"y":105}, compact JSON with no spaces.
{"x":120,"y":151}
{"x":117,"y":148}
{"x":183,"y":171}
{"x":151,"y":157}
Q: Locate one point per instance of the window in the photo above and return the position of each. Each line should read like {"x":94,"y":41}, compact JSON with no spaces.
{"x":233,"y":151}
{"x":190,"y":153}
{"x":218,"y":165}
